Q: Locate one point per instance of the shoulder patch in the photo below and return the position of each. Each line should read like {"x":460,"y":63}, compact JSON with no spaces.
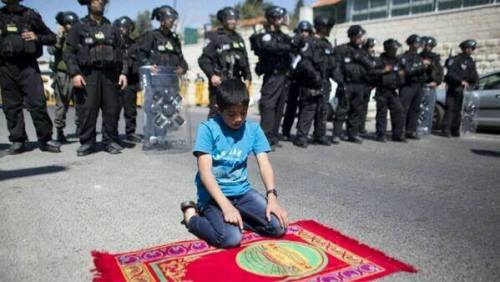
{"x":266,"y":37}
{"x":347,"y":60}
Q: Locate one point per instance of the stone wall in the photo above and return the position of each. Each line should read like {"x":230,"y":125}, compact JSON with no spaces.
{"x":449,"y":28}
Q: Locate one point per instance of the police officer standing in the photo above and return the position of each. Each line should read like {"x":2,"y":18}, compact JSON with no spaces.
{"x":274,"y":63}
{"x":22,"y":35}
{"x":351,"y":66}
{"x":319,"y":66}
{"x":387,"y":95}
{"x":461,"y":75}
{"x":370,"y":79}
{"x":224,"y":55}
{"x":162,"y":47}
{"x":62,"y":85}
{"x":93,"y":55}
{"x":128,"y":96}
{"x":303,"y":31}
{"x":433,"y":76}
{"x":414,"y":67}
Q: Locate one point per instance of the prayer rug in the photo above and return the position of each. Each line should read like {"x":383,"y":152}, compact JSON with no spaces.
{"x":308,"y":252}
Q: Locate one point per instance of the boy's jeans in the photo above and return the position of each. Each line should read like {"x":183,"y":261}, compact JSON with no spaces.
{"x":211,"y":227}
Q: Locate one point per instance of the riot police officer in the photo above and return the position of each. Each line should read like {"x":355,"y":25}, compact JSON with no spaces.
{"x":351,"y":66}
{"x":128,"y":96}
{"x":370,"y":79}
{"x":318,"y":67}
{"x":98,"y":70}
{"x":461,"y":75}
{"x":274,"y":47}
{"x":62,"y":85}
{"x":22,"y":34}
{"x":433,"y":76}
{"x":414,"y":67}
{"x":303,"y":31}
{"x":224,"y":55}
{"x":386,"y":94}
{"x":162,"y":47}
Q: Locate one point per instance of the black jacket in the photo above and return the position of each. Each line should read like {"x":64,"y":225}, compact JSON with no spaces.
{"x":461,"y":67}
{"x":413,"y":66}
{"x":162,"y":48}
{"x":91,"y":45}
{"x":15,"y":49}
{"x":225,"y":55}
{"x":435,"y":72}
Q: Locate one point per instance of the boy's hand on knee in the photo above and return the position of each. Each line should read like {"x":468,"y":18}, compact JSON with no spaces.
{"x":232,"y":216}
{"x":274,"y":208}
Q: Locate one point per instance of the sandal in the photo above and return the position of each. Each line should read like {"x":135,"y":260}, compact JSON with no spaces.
{"x":185,"y":206}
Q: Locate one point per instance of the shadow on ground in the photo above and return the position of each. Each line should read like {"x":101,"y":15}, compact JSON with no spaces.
{"x":27,"y":172}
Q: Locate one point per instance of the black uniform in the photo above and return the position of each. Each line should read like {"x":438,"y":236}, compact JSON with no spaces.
{"x":128,"y":96}
{"x":460,"y":68}
{"x":387,"y":97}
{"x":292,"y":101}
{"x":352,"y":69}
{"x":317,"y":68}
{"x":411,"y":89}
{"x":20,"y":77}
{"x":163,"y":48}
{"x":94,"y":50}
{"x":372,"y":75}
{"x":224,"y":55}
{"x":274,"y":63}
{"x":435,"y":72}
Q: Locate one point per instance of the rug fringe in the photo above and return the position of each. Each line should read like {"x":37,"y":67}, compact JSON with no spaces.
{"x":373,"y":252}
{"x":106,"y":269}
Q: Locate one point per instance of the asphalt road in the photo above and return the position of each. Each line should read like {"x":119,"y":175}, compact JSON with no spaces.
{"x":433,"y":203}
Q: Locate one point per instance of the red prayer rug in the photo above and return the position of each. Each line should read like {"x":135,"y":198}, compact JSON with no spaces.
{"x":308,"y":252}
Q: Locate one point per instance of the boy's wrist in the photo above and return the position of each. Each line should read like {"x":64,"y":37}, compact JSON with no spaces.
{"x":272,"y":193}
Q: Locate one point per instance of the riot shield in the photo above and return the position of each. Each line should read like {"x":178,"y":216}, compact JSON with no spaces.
{"x":470,"y":110}
{"x":426,"y":116}
{"x":167,"y":127}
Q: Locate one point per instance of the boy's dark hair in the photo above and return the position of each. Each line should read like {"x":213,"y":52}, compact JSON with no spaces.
{"x":232,"y":92}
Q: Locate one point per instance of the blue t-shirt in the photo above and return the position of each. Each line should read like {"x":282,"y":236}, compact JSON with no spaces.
{"x":229,"y":149}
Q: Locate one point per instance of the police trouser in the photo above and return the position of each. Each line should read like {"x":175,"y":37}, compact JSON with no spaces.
{"x":389,"y":99}
{"x":292,"y":103}
{"x":364,"y":109}
{"x":453,"y":114}
{"x":212,"y":100}
{"x":63,"y":90}
{"x":22,"y":85}
{"x":101,"y":92}
{"x":312,"y":108}
{"x":411,"y":97}
{"x":349,"y":109}
{"x":128,"y":101}
{"x":272,"y":102}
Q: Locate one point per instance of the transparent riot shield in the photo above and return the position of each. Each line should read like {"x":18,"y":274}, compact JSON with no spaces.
{"x":167,"y":127}
{"x":470,"y":110}
{"x":426,"y":117}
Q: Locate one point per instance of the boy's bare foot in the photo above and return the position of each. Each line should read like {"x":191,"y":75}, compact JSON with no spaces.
{"x":188,"y":210}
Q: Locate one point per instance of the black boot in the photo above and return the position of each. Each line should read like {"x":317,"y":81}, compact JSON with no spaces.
{"x":322,"y":141}
{"x":113,"y":148}
{"x":134,"y":138}
{"x":85,"y":149}
{"x":300,"y":143}
{"x":355,"y":139}
{"x":16,"y":148}
{"x":50,"y":146}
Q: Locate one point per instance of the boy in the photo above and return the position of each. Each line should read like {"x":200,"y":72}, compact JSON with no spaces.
{"x":226,"y":200}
